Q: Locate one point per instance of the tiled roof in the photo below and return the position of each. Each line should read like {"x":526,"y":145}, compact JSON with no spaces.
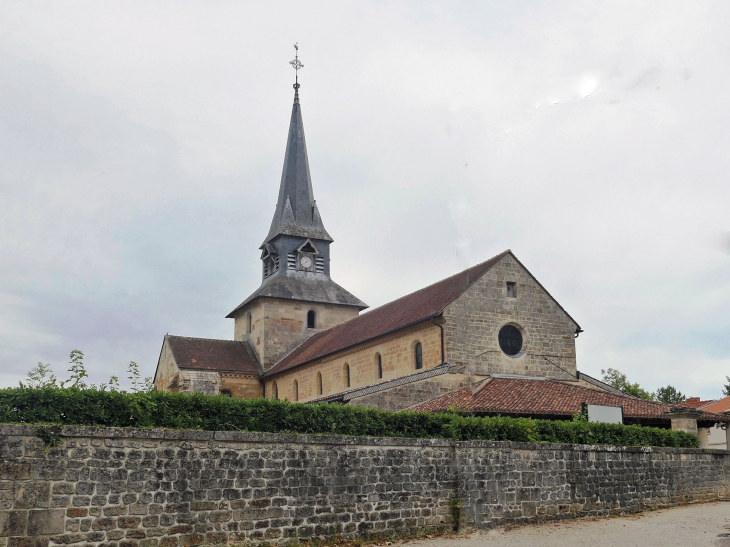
{"x":722,"y":405}
{"x":211,"y":354}
{"x":304,"y":286}
{"x":603,"y":386}
{"x":694,"y":402}
{"x":411,"y":309}
{"x":543,"y":397}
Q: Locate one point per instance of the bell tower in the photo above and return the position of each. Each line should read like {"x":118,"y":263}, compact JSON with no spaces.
{"x":297,"y":297}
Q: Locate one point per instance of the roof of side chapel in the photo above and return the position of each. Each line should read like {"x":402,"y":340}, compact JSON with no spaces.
{"x":540,"y":396}
{"x":214,"y":355}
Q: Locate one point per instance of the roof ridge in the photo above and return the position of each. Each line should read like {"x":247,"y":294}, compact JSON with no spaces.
{"x":471,"y":282}
{"x":365,"y":316}
{"x":201,"y":338}
{"x":371,"y":310}
{"x":625,"y":395}
{"x":453,"y":391}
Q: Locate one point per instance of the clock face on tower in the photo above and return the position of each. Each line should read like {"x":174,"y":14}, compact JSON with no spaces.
{"x":306,"y":262}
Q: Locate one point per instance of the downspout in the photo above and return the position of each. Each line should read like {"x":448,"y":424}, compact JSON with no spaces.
{"x":443,"y":355}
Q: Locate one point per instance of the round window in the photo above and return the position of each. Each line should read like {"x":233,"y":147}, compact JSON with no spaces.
{"x":510,"y":340}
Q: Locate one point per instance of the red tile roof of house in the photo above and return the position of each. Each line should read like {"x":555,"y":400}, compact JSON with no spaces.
{"x":542,"y":397}
{"x":408,"y":310}
{"x":694,"y":402}
{"x":210,"y":354}
{"x":722,"y":405}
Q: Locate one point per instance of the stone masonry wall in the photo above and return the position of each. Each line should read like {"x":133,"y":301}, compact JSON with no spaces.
{"x":562,"y":481}
{"x":241,"y":386}
{"x":166,"y":488}
{"x":473,"y":321}
{"x":279,"y":325}
{"x":406,"y":395}
{"x":398,"y":359}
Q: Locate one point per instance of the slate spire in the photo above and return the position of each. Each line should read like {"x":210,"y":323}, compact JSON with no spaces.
{"x":296,"y":211}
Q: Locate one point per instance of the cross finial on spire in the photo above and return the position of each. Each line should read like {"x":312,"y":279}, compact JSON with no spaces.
{"x":297,"y":65}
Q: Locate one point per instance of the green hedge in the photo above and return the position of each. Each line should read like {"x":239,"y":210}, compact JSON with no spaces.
{"x":219,"y":413}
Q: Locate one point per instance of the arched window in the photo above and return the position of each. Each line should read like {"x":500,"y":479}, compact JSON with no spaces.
{"x":319,"y":383}
{"x":248,"y":319}
{"x":226,"y":392}
{"x":311,"y":318}
{"x":296,"y":390}
{"x":418,"y":351}
{"x":346,"y":371}
{"x":379,"y":365}
{"x":275,"y":390}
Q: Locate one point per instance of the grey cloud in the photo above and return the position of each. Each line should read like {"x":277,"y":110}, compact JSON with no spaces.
{"x":139,"y":176}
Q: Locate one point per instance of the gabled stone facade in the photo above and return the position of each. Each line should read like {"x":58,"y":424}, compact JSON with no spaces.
{"x":472,"y":323}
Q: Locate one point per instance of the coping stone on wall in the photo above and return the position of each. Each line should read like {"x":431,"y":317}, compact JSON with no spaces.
{"x":260,"y":437}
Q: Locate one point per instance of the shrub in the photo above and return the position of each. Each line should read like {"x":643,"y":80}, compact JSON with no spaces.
{"x":72,"y":406}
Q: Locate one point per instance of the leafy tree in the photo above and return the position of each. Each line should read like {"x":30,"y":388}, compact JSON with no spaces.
{"x":138,"y":384}
{"x":617,"y":379}
{"x":77,"y":370}
{"x":670,"y":395}
{"x":725,"y":388}
{"x":40,"y":376}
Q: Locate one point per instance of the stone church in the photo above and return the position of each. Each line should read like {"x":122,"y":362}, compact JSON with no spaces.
{"x":490,"y":339}
{"x":303,"y":337}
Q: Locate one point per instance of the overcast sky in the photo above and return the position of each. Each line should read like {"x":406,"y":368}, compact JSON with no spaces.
{"x":141,"y":147}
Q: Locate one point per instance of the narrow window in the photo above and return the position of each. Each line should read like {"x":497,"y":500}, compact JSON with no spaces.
{"x":311,"y":317}
{"x":226,"y":393}
{"x":275,"y":390}
{"x":249,"y":322}
{"x":511,"y":289}
{"x":418,"y":350}
{"x":347,"y":375}
{"x":379,"y":364}
{"x":319,"y":383}
{"x":296,"y":390}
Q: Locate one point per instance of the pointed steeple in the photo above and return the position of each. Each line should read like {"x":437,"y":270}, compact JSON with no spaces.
{"x":296,"y":211}
{"x":296,"y":252}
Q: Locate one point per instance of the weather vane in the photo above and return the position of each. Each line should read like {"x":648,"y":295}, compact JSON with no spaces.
{"x":296,"y":63}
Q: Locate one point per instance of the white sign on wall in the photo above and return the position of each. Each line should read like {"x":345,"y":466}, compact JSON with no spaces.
{"x":604,"y":414}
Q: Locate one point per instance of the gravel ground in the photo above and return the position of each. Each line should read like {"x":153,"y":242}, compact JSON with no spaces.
{"x":694,"y":526}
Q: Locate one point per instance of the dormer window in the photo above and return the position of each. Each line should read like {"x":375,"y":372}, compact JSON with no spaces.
{"x":270,"y":258}
{"x":511,"y":289}
{"x":307,"y":248}
{"x":307,"y":257}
